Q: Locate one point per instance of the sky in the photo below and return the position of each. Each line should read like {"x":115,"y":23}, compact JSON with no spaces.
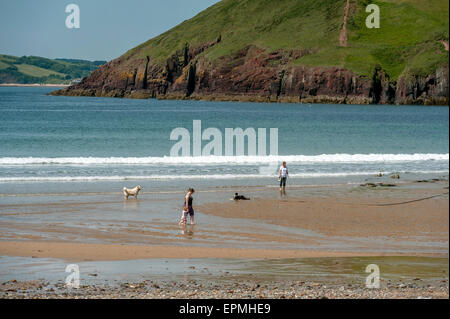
{"x":108,"y":28}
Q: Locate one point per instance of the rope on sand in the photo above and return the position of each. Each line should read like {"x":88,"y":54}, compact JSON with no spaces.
{"x":410,"y":201}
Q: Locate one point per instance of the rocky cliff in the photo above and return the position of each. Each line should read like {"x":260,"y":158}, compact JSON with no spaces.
{"x":212,"y":66}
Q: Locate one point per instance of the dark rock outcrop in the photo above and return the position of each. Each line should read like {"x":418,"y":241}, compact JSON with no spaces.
{"x":432,"y":89}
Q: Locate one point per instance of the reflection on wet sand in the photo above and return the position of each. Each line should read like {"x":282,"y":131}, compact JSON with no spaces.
{"x":187,"y":231}
{"x":131,"y":204}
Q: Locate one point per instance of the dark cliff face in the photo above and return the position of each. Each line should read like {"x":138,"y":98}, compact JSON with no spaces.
{"x":429,"y":90}
{"x":252,"y":74}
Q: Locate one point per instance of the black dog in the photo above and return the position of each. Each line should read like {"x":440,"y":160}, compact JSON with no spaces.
{"x":240,"y":197}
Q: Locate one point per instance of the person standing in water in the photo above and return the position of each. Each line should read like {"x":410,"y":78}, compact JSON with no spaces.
{"x":188,"y":209}
{"x":282,"y":176}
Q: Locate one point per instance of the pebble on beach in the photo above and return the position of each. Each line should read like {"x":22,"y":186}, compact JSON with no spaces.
{"x":244,"y":289}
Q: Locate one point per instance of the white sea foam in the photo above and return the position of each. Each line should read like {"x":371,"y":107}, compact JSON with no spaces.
{"x":195,"y":177}
{"x":323,"y":158}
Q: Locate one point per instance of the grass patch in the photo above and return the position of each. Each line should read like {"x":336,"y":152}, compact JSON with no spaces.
{"x":36,"y":71}
{"x":3,"y":65}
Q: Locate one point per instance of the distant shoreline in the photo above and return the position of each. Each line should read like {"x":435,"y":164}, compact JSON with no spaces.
{"x":237,"y":97}
{"x":33,"y":85}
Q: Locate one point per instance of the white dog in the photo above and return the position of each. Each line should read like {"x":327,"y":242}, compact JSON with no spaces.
{"x":131,"y":192}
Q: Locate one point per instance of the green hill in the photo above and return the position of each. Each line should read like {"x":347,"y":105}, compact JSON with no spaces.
{"x":32,"y":69}
{"x":408,"y":39}
{"x":269,"y":49}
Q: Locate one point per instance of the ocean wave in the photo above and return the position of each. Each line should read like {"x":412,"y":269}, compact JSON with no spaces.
{"x":194,"y":177}
{"x":204,"y":160}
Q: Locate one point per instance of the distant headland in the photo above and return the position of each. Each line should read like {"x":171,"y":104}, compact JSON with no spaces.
{"x":291,"y":51}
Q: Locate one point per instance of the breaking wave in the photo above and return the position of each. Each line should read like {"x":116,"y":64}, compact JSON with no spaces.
{"x":204,"y":160}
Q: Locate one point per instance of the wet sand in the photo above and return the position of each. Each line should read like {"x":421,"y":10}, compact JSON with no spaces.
{"x":411,"y":226}
{"x":397,"y":218}
{"x":96,"y":252}
{"x":310,"y":222}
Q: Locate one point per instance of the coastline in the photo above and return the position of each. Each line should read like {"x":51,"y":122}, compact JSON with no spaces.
{"x":224,"y":97}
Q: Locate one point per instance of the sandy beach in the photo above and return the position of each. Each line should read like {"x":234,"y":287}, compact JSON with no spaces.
{"x":97,"y":252}
{"x":400,"y":222}
{"x":398,"y":218}
{"x":344,"y":223}
{"x":409,"y":219}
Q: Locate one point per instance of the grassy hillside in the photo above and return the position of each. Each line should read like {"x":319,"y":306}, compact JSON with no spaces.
{"x":33,"y":69}
{"x":407,"y":42}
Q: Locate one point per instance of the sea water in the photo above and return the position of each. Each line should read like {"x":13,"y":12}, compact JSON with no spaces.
{"x":92,"y":141}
